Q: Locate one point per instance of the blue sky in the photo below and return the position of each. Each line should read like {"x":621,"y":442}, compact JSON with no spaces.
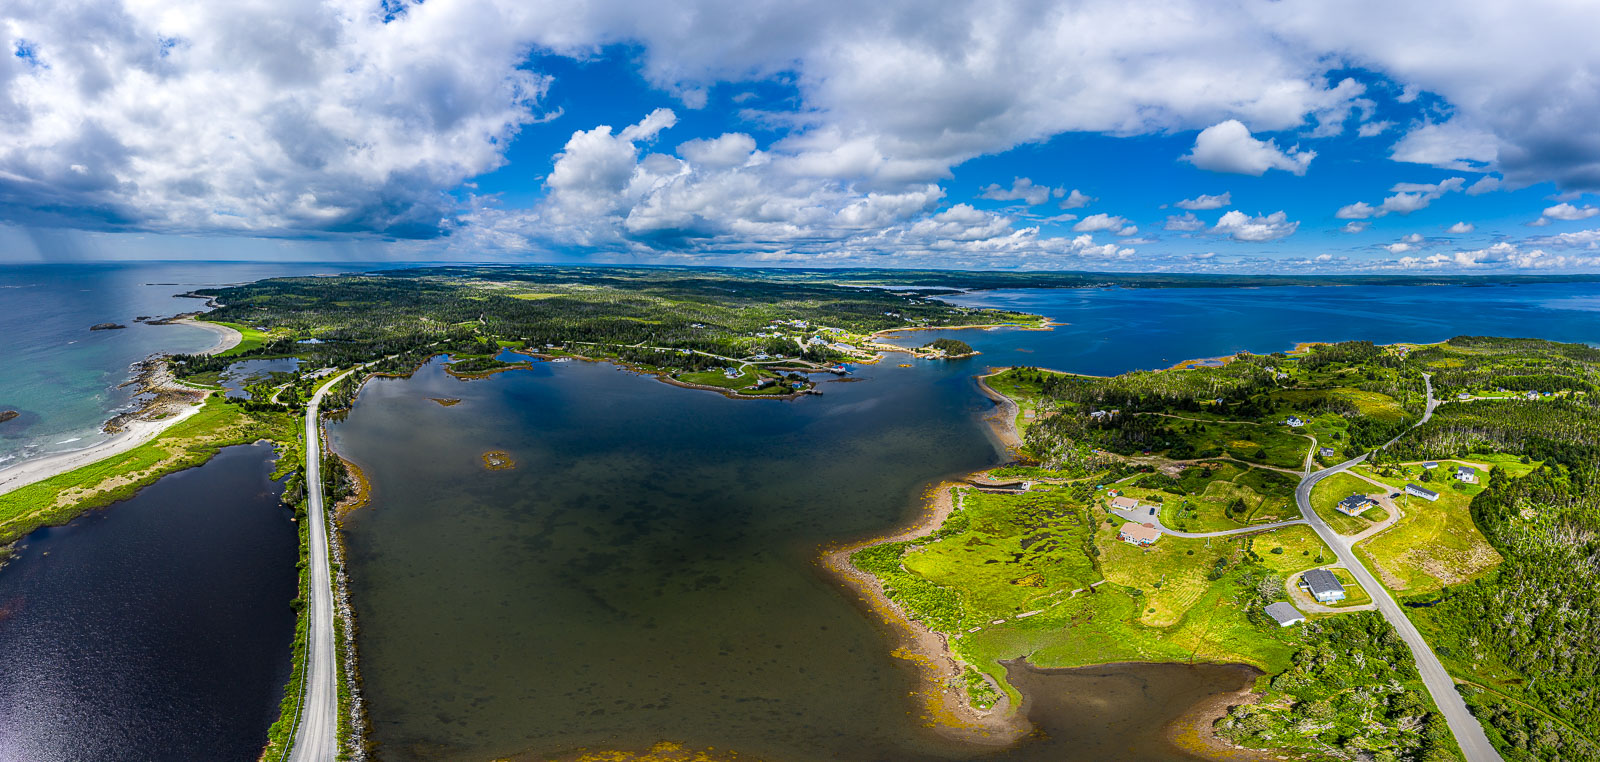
{"x":1259,"y":137}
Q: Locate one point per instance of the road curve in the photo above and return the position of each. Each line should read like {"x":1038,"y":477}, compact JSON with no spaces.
{"x":316,"y":732}
{"x":1155,"y":521}
{"x":1469,"y":734}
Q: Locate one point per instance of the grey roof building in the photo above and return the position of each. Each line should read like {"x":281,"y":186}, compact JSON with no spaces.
{"x":1422,"y":492}
{"x":1285,"y":614}
{"x":1322,"y":585}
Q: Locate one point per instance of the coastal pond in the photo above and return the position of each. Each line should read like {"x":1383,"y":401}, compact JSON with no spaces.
{"x":246,"y":372}
{"x":159,"y":628}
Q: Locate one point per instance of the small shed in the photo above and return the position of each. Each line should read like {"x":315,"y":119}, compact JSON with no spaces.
{"x":1285,"y":614}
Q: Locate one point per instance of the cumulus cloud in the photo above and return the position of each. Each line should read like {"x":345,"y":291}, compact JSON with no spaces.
{"x":1022,"y":189}
{"x":1460,"y":228}
{"x":1204,"y":202}
{"x":1485,"y":184}
{"x":608,"y":192}
{"x":333,"y":117}
{"x":1407,"y":198}
{"x":1076,"y":200}
{"x":1242,"y":227}
{"x":1098,"y":222}
{"x":1187,"y":223}
{"x":1356,"y":226}
{"x":1568,"y":212}
{"x":1229,"y":147}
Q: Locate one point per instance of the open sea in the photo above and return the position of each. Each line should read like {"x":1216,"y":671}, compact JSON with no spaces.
{"x":62,"y":377}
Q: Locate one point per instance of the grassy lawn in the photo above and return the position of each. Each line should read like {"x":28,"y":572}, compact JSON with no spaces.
{"x":1330,"y":491}
{"x":1434,"y":544}
{"x":747,"y":376}
{"x":1017,"y":559}
{"x":1270,"y":443}
{"x":1354,"y":594}
{"x":250,"y":338}
{"x":185,"y":445}
{"x":1302,"y":549}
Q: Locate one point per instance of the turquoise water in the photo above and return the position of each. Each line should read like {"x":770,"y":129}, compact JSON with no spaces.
{"x":61,"y":376}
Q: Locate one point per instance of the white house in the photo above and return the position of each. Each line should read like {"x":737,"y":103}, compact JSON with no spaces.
{"x":1422,"y":492}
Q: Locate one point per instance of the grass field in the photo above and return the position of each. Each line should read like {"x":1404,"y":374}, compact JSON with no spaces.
{"x":1331,"y":490}
{"x":185,"y":445}
{"x":1354,"y":595}
{"x":250,"y":338}
{"x":1270,"y":443}
{"x":1435,"y":543}
{"x":747,"y":376}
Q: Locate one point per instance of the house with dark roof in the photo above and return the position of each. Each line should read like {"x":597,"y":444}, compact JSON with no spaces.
{"x":1467,"y":474}
{"x":1355,"y":504}
{"x":1295,"y":421}
{"x":1326,"y":452}
{"x":1422,"y":492}
{"x":1322,"y":585}
{"x":1285,"y":614}
{"x":1430,"y":464}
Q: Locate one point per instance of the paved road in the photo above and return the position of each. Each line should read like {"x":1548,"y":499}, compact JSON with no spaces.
{"x":1469,"y":734}
{"x":316,"y":736}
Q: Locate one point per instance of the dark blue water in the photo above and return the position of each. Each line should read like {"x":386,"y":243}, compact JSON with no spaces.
{"x":159,"y":629}
{"x":63,"y":377}
{"x":1113,"y":330}
{"x":242,"y":374}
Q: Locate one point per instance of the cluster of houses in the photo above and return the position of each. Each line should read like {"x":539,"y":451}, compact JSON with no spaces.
{"x":1133,"y":532}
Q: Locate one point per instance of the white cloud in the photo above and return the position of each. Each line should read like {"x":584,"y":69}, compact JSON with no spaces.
{"x":1076,"y":200}
{"x":1187,"y":223}
{"x":1355,"y":226}
{"x":1413,"y":238}
{"x":1098,"y":222}
{"x":1229,"y":147}
{"x":1022,"y":189}
{"x":1396,"y":248}
{"x":1360,"y":210}
{"x":1460,"y":228}
{"x":1241,"y":227}
{"x":1567,"y":212}
{"x":1485,"y":184}
{"x":1204,"y":202}
{"x":1373,"y":128}
{"x":1407,"y":198}
{"x":318,"y":117}
{"x":1451,"y":145}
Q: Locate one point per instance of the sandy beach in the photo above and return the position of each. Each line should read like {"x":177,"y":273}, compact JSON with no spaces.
{"x":133,"y":430}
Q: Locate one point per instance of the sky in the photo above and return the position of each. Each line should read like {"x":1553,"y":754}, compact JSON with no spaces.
{"x":1203,"y":136}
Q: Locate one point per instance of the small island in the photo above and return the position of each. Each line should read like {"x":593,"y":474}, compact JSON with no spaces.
{"x":446,"y":401}
{"x":6,"y":415}
{"x":946,"y":349}
{"x":498,"y":460}
{"x":107,"y":327}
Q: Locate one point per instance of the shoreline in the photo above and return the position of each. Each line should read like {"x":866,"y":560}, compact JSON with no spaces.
{"x":131,"y":429}
{"x":946,"y":709}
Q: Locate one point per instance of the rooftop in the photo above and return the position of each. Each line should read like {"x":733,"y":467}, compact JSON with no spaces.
{"x":1285,"y":614}
{"x":1321,"y":581}
{"x":1143,"y":533}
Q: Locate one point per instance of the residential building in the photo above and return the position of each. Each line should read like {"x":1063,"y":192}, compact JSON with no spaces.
{"x":1422,"y":492}
{"x":1355,"y":504}
{"x":1430,"y":465}
{"x":1322,"y":585}
{"x":1326,"y":452}
{"x":1294,"y":420}
{"x":1139,"y":534}
{"x":1285,"y":614}
{"x":1467,"y":474}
